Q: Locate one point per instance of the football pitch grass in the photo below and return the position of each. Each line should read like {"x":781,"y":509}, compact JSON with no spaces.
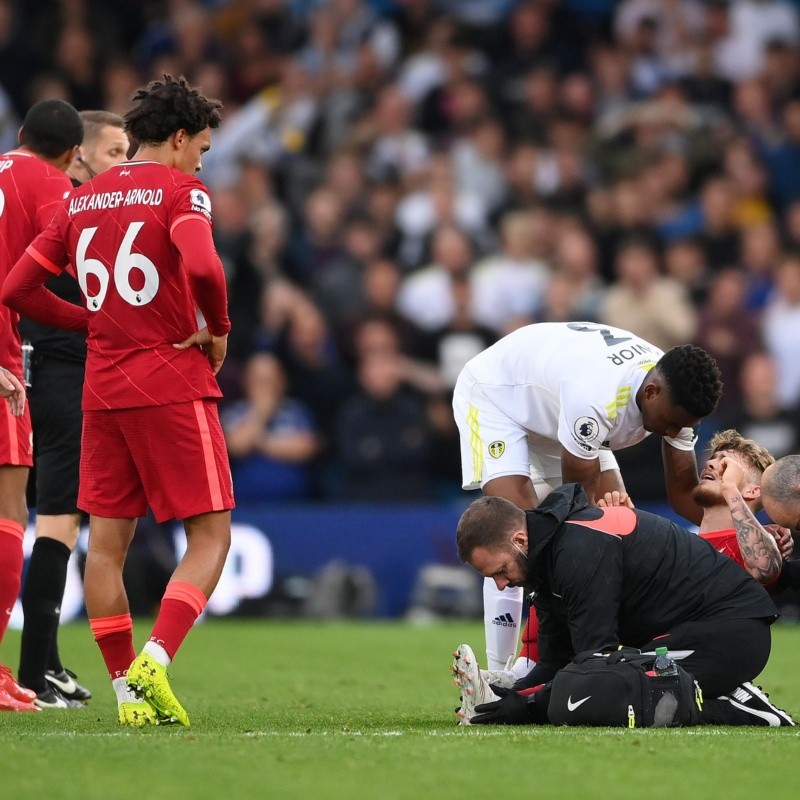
{"x":357,"y":710}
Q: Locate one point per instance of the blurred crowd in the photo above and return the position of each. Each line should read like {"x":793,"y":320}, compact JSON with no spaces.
{"x":398,"y":183}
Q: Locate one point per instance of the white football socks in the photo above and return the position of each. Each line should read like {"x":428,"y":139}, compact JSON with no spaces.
{"x":502,"y":615}
{"x":522,"y":666}
{"x":123,"y":692}
{"x":157,"y":653}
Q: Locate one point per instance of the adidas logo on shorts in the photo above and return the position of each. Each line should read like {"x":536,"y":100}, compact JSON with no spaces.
{"x":505,"y":620}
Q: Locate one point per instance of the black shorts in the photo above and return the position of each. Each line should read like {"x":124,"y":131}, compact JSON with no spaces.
{"x":55,"y":402}
{"x":720,"y":653}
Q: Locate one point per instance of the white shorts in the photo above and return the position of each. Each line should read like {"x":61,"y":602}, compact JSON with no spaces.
{"x":493,"y":445}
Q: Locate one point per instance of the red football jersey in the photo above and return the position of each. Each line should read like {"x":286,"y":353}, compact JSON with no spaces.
{"x":116,"y":230}
{"x":31,"y":191}
{"x":725,"y":542}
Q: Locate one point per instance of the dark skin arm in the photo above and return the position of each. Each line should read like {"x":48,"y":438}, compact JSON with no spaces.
{"x":680,"y":476}
{"x":517,"y":489}
{"x":610,"y":481}
{"x":581,"y":470}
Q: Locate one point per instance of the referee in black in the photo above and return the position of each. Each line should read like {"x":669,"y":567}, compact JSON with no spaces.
{"x":57,"y":371}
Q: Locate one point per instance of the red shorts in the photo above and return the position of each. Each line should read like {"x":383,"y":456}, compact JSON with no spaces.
{"x":172,"y":458}
{"x":16,"y":438}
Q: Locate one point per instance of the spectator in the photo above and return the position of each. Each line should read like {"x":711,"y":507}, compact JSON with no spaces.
{"x":753,"y":24}
{"x":337,"y":290}
{"x":782,"y":330}
{"x":758,"y":415}
{"x":649,"y":69}
{"x":783,"y":159}
{"x":791,"y":225}
{"x":243,"y":250}
{"x":719,"y":237}
{"x":579,"y":293}
{"x":317,"y":375}
{"x":760,"y":251}
{"x":397,"y":151}
{"x":427,"y":69}
{"x":463,"y":337}
{"x":751,"y":184}
{"x":438,"y":202}
{"x":317,"y":243}
{"x":675,"y":24}
{"x":646,"y":303}
{"x":728,"y":331}
{"x":357,"y":130}
{"x":521,"y":165}
{"x":537,"y":105}
{"x":531,"y":45}
{"x":478,"y":163}
{"x":508,"y":287}
{"x":271,"y":437}
{"x":382,"y":437}
{"x":380,"y":284}
{"x":426,"y":296}
{"x":268,"y":129}
{"x":19,"y":62}
{"x":685,"y":262}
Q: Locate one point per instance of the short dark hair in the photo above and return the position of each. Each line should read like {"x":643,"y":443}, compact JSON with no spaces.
{"x":487,"y":522}
{"x":162,"y":108}
{"x":692,"y":379}
{"x":50,"y":128}
{"x":784,"y":481}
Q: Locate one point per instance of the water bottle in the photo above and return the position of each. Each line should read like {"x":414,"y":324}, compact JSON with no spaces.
{"x":664,"y":665}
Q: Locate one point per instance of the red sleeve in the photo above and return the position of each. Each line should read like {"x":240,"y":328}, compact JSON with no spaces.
{"x":24,"y":291}
{"x":191,"y":234}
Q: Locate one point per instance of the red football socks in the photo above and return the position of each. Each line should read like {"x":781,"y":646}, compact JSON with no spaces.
{"x":114,"y":637}
{"x":11,"y":561}
{"x":181,"y":606}
{"x":530,"y":637}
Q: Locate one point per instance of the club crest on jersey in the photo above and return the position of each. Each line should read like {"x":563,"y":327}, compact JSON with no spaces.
{"x":496,"y":449}
{"x":585,"y":428}
{"x":200,"y":202}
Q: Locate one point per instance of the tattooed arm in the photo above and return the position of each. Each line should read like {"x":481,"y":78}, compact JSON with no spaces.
{"x":759,"y":550}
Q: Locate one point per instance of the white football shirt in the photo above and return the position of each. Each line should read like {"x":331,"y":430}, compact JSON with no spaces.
{"x":570,"y":383}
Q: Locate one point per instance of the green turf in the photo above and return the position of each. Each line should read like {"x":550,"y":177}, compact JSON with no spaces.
{"x":351,"y":711}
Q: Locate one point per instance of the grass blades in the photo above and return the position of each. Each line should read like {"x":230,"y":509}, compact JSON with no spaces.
{"x":351,"y":711}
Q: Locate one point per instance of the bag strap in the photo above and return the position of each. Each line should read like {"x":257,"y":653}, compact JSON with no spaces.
{"x":626,"y":654}
{"x":611,"y":656}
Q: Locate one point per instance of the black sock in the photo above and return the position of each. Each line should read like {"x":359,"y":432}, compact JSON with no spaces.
{"x":41,"y":604}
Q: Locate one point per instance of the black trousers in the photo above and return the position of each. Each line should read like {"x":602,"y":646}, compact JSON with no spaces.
{"x":55,"y":402}
{"x":721,"y":654}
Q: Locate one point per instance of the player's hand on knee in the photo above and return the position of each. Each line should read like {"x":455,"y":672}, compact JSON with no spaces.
{"x":615,"y":498}
{"x":12,"y":389}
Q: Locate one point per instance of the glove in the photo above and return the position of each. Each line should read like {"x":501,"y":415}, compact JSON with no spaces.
{"x":510,"y":709}
{"x":685,"y":440}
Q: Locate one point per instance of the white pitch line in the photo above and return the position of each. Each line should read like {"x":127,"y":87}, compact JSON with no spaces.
{"x":473,"y":732}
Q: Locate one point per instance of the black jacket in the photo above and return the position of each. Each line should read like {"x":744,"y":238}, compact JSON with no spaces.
{"x":605,"y":577}
{"x":49,"y":342}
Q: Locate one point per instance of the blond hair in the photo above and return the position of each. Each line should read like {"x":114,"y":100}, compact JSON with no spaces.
{"x":759,"y":457}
